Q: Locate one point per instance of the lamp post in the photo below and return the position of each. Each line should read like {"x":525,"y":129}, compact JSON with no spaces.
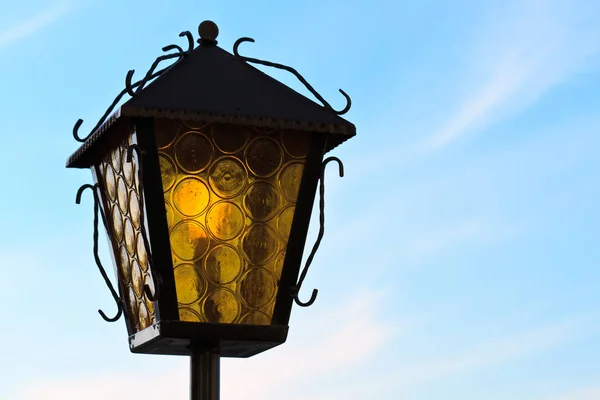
{"x":205,"y":181}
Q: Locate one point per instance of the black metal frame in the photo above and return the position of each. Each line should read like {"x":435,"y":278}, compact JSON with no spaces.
{"x":299,"y":231}
{"x":311,"y":256}
{"x":232,"y":340}
{"x":98,"y":210}
{"x":169,"y":335}
{"x":156,"y":219}
{"x":291,"y":70}
{"x":135,"y":88}
{"x":139,"y":85}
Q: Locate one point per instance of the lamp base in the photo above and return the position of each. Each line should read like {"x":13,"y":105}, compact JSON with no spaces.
{"x":231,"y":340}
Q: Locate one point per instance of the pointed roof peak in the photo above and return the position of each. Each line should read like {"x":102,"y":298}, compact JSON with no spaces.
{"x":208,"y":32}
{"x":211,"y":80}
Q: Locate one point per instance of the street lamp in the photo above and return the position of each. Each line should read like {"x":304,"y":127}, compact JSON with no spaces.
{"x":205,"y":181}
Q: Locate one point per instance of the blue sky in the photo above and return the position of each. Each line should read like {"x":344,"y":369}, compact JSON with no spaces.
{"x":462,"y":253}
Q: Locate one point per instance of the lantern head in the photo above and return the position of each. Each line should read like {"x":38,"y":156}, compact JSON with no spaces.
{"x":205,"y":180}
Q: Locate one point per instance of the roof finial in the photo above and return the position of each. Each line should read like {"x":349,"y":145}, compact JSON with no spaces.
{"x":208,"y":32}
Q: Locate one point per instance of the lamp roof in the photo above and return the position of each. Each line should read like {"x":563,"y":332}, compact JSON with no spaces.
{"x":210,"y":84}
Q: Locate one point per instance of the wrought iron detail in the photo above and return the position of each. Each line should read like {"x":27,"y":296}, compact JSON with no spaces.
{"x":311,"y":256}
{"x":98,"y":209}
{"x":308,"y":86}
{"x":208,"y":33}
{"x":139,"y":85}
{"x":156,"y":278}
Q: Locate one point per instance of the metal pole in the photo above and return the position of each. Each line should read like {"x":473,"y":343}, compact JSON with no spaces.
{"x":205,"y":371}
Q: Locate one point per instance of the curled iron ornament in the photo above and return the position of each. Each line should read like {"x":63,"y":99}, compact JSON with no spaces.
{"x":311,"y":256}
{"x":97,"y":209}
{"x":139,"y":85}
{"x":308,"y":86}
{"x":156,"y":278}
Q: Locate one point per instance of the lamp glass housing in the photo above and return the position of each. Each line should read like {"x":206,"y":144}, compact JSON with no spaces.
{"x":230,"y":194}
{"x":121,"y":205}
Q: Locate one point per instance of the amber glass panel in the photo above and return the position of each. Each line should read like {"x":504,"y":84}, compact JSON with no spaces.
{"x":121,"y":204}
{"x":230,"y":196}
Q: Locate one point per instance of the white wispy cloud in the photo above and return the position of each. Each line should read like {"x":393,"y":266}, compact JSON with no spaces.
{"x":33,"y":24}
{"x":495,"y":352}
{"x":529,"y":49}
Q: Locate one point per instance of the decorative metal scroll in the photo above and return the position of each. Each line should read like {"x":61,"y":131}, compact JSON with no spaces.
{"x":97,"y":209}
{"x":296,"y":288}
{"x":156,"y":278}
{"x":296,"y":74}
{"x":134,"y":88}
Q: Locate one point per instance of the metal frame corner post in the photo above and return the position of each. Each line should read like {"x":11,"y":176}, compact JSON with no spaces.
{"x":205,"y":370}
